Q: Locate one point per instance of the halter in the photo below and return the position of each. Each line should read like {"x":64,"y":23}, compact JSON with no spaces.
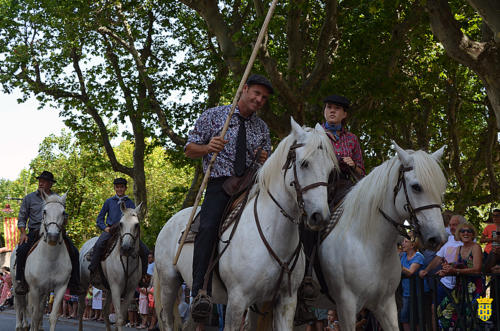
{"x":413,"y":220}
{"x":291,"y":162}
{"x":45,"y":224}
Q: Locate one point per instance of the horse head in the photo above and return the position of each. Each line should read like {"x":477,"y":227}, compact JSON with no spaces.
{"x":129,"y":229}
{"x":306,"y":159}
{"x":54,"y":218}
{"x":418,"y":193}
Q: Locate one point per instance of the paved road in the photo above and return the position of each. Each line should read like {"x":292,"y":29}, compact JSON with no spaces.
{"x":8,"y":323}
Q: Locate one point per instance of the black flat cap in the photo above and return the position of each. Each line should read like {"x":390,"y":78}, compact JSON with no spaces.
{"x":260,"y":80}
{"x":47,"y":175}
{"x":119,"y":181}
{"x":338,"y":100}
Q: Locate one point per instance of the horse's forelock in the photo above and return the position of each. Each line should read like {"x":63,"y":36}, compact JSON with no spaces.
{"x":429,"y":174}
{"x":314,"y":141}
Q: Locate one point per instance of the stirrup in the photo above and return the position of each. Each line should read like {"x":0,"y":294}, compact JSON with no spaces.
{"x":309,"y":290}
{"x":201,"y":308}
{"x":303,"y":314}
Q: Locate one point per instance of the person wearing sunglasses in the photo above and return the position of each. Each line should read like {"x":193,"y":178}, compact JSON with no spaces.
{"x":469,"y":263}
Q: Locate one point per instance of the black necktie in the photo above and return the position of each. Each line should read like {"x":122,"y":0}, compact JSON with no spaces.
{"x":240,"y":160}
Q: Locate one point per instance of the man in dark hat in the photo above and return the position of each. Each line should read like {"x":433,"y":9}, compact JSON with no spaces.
{"x":31,"y":214}
{"x":246,"y":133}
{"x":111,"y":214}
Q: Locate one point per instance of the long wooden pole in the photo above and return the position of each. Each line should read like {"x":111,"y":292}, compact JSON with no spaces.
{"x":226,"y":124}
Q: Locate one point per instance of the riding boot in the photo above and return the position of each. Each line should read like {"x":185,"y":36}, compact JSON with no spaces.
{"x":143,"y":255}
{"x":309,"y":289}
{"x":74,"y":280}
{"x":21,"y":256}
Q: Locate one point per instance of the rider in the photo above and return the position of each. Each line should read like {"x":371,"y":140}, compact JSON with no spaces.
{"x":111,"y":214}
{"x":31,"y":213}
{"x":348,"y":151}
{"x":235,"y":155}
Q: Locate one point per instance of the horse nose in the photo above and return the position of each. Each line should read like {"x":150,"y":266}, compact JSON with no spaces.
{"x":126,"y":249}
{"x":317,"y":221}
{"x":52,"y":237}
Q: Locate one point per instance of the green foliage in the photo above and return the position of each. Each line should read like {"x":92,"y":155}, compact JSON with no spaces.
{"x":81,"y":172}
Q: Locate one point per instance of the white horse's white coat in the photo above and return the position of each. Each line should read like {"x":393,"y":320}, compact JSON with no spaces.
{"x":359,"y":258}
{"x":248,"y":271}
{"x":48,"y":268}
{"x":113,"y":269}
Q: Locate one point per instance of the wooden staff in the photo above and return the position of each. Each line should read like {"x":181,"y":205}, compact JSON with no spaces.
{"x":226,"y":124}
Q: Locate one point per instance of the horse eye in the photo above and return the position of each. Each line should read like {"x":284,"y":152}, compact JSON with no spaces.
{"x":304,"y":164}
{"x":416,"y":188}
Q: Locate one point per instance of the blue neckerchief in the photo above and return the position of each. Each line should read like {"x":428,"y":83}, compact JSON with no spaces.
{"x":334,"y":129}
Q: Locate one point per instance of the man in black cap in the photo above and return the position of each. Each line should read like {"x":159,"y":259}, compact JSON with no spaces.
{"x":31,"y":214}
{"x":110,"y":214}
{"x":246,"y":133}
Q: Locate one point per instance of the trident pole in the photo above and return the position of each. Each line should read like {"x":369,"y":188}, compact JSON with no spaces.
{"x":262,"y":32}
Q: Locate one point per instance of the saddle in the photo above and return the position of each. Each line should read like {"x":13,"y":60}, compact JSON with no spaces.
{"x":110,"y":244}
{"x":231,"y":214}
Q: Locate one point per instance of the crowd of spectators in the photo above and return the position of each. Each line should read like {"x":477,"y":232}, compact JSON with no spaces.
{"x":454,"y":276}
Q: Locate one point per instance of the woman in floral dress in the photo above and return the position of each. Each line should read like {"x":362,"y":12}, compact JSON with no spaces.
{"x":462,"y":301}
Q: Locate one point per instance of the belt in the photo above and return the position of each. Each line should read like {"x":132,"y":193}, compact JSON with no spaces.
{"x":213,"y":180}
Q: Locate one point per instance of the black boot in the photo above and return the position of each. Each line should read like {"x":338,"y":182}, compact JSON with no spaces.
{"x":201,"y":308}
{"x":21,"y":287}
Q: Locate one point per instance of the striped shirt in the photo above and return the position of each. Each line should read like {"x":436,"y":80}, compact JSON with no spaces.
{"x":210,"y":124}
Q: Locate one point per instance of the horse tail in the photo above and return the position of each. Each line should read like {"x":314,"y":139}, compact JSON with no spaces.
{"x":159,"y":305}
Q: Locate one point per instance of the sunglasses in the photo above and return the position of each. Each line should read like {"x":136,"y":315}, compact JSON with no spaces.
{"x":466,"y":230}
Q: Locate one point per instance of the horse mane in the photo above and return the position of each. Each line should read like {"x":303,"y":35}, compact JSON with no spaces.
{"x":363,"y":201}
{"x":315,"y":141}
{"x":52,"y":198}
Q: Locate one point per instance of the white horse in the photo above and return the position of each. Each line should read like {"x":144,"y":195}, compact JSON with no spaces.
{"x":122,"y":269}
{"x":48,"y":268}
{"x":359,"y":257}
{"x":300,"y":166}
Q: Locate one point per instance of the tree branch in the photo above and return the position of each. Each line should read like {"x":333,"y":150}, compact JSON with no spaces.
{"x":326,"y":48}
{"x":92,"y":111}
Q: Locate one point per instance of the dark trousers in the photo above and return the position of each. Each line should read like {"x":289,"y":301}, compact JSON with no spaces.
{"x":211,"y":212}
{"x":100,"y":245}
{"x":22,"y":253}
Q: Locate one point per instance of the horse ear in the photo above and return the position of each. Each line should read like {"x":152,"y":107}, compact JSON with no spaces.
{"x":138,"y":208}
{"x":296,"y":128}
{"x":437,"y":155}
{"x":123,"y":207}
{"x":63,"y":198}
{"x":404,"y":157}
{"x":319,"y":128}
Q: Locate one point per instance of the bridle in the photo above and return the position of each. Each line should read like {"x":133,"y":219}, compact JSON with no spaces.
{"x":46,"y":225}
{"x":287,"y":266}
{"x":291,"y":163}
{"x":133,"y":255}
{"x":413,"y":220}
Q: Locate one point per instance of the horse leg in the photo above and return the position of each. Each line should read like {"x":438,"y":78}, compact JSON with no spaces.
{"x":284,"y":312}
{"x":58,"y":296}
{"x":115,"y":296}
{"x":36,"y":312}
{"x":105,"y":311}
{"x":20,"y":307}
{"x":81,"y":308}
{"x":168,"y":289}
{"x":346,"y":309}
{"x":387,"y":315}
{"x":236,"y":307}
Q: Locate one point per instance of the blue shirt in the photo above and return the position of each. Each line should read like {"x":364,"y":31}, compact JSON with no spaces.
{"x":112,"y":212}
{"x":405,"y":282}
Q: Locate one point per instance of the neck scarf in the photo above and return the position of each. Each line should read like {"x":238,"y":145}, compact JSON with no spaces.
{"x":334,"y":129}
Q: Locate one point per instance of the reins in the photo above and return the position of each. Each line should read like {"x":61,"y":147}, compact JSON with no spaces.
{"x":413,"y":220}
